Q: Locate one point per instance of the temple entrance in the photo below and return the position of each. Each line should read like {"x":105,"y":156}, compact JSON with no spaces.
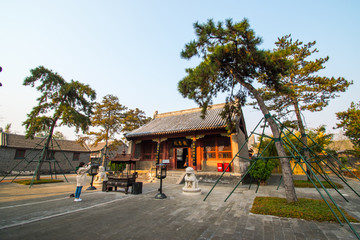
{"x":182,"y":158}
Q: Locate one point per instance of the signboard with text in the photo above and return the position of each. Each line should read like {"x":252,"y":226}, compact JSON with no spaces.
{"x":165,"y":161}
{"x":183,"y":142}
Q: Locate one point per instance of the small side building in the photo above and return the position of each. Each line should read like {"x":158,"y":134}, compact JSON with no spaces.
{"x":17,"y":150}
{"x":183,"y":138}
{"x":97,"y":151}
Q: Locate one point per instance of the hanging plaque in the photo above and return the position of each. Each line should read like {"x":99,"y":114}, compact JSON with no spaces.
{"x":181,"y":142}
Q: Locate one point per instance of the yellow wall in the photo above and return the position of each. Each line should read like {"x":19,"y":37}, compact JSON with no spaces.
{"x":298,"y":170}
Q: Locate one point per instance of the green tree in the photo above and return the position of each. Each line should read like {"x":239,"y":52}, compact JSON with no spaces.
{"x":350,"y":123}
{"x":56,"y":135}
{"x":134,"y":118}
{"x":108,"y":117}
{"x":231,"y":61}
{"x":112,"y":118}
{"x":319,"y":141}
{"x":321,"y":138}
{"x":308,"y":90}
{"x":7,"y":128}
{"x":61,"y":103}
{"x":266,"y":148}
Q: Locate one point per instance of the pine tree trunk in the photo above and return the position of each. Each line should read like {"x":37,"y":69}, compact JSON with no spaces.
{"x":285,"y":162}
{"x":106,"y":147}
{"x":104,"y":154}
{"x":242,"y":164}
{"x":303,"y":136}
{"x":44,"y":152}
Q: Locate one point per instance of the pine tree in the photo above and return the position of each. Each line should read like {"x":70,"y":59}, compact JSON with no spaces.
{"x":60,"y":103}
{"x":306,"y":89}
{"x":112,"y":118}
{"x":231,"y":61}
{"x":108,"y":117}
{"x":350,"y":122}
{"x":134,"y":118}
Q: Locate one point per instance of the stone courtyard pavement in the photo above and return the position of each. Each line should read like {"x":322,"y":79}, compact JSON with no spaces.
{"x":46,"y":212}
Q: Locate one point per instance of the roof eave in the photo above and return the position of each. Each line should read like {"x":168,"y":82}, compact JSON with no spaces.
{"x":133,"y":136}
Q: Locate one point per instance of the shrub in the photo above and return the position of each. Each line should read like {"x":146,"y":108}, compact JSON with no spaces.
{"x":117,"y":166}
{"x":262,"y":169}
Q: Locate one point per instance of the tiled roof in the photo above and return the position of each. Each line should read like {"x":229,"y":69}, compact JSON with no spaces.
{"x":101,"y":145}
{"x":19,"y":141}
{"x":181,"y":121}
{"x":98,"y":147}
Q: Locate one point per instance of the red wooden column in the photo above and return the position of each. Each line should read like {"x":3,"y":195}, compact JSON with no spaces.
{"x":196,"y":153}
{"x":158,"y":141}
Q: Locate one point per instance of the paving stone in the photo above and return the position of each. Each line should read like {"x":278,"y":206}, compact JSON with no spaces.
{"x":114,"y":215}
{"x":299,"y":236}
{"x":269,"y":233}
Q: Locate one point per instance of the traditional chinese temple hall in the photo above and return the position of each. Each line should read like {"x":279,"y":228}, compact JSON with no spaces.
{"x":184,"y":139}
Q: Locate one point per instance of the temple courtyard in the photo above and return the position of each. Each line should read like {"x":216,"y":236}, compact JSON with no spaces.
{"x":46,"y":211}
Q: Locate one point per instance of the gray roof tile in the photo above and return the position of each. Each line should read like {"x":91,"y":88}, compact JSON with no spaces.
{"x":181,"y":121}
{"x":19,"y":141}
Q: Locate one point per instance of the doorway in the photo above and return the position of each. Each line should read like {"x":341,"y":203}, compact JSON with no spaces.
{"x":182,"y":158}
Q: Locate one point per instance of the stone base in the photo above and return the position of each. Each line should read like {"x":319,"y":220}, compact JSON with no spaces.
{"x":191,"y":191}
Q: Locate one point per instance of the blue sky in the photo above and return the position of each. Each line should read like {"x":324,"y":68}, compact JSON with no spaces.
{"x":131,"y":49}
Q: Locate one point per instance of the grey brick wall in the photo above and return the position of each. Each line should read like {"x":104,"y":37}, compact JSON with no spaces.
{"x":28,"y":165}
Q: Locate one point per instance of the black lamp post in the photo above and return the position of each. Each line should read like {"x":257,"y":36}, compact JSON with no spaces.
{"x":93,"y":171}
{"x":160,"y":174}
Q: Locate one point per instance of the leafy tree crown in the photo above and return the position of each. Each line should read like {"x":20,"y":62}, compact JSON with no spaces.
{"x":60,"y":103}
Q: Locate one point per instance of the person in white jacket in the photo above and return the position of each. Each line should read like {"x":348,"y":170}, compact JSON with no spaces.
{"x":81,"y":179}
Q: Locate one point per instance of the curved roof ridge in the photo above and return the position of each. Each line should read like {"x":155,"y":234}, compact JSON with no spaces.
{"x":185,"y":111}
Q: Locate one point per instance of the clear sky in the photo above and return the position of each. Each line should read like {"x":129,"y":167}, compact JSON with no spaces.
{"x":131,"y":49}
